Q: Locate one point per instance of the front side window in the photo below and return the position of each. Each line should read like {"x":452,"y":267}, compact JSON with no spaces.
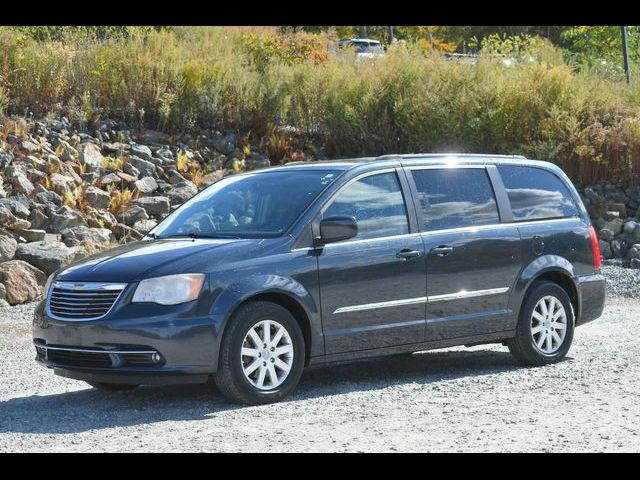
{"x":377,"y":204}
{"x":455,"y":197}
{"x":536,"y":193}
{"x":254,"y":205}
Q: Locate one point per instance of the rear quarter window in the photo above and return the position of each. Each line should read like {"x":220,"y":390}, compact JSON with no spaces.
{"x":536,"y":193}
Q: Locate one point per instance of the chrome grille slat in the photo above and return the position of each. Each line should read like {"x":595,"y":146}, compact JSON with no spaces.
{"x":82,"y":301}
{"x":84,"y":294}
{"x":79,"y":304}
{"x":81,"y":309}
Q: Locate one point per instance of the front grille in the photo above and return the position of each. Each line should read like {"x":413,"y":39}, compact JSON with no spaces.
{"x":79,"y":359}
{"x":71,"y":356}
{"x":87,"y":301}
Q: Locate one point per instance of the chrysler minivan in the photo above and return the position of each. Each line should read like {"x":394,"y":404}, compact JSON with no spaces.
{"x":270,"y":271}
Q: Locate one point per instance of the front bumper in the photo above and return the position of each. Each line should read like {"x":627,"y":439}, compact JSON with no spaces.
{"x":592,"y":297}
{"x":120,"y":348}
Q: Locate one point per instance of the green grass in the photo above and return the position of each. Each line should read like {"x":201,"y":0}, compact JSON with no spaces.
{"x":251,"y":80}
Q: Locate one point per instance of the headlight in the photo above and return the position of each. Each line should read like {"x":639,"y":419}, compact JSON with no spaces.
{"x":169,"y":290}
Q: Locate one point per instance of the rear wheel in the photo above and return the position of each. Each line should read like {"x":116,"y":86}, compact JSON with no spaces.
{"x":113,"y":386}
{"x":545,"y":326}
{"x":262,"y":354}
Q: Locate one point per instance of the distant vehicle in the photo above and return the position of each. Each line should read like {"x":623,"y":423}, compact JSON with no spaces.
{"x":365,"y":47}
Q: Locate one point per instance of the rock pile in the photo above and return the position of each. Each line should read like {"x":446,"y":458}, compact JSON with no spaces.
{"x":65,"y":194}
{"x":615,"y":214}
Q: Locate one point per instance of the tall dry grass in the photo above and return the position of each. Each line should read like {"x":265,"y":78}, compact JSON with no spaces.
{"x":254,"y":80}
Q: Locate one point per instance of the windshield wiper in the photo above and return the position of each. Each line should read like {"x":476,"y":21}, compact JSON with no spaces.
{"x":196,"y":235}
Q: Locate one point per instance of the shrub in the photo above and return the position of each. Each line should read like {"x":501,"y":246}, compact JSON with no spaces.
{"x":256,"y":80}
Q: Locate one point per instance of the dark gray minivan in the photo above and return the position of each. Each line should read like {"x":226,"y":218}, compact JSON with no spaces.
{"x":266,"y":272}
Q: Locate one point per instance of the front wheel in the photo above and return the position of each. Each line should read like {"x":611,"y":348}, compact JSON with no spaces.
{"x":545,"y":326}
{"x":262,"y":354}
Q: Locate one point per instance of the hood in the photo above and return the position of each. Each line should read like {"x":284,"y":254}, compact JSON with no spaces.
{"x":145,"y":259}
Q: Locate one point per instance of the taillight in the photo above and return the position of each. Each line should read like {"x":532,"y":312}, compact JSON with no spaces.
{"x":595,"y":246}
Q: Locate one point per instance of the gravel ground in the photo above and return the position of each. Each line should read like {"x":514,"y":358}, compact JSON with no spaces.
{"x":455,"y":399}
{"x":623,"y":282}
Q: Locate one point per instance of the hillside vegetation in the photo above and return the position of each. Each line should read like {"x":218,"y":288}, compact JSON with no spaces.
{"x":255,"y":82}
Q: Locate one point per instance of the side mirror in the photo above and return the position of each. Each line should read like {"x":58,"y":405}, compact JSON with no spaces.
{"x":337,"y":228}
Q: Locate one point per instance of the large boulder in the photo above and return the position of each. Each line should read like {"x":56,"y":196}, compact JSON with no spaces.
{"x":97,"y":197}
{"x":11,"y":222}
{"x":146,"y":185}
{"x":5,"y":159}
{"x":605,"y":234}
{"x":21,"y":184}
{"x":64,"y":217}
{"x":154,"y":206}
{"x":145,"y":167}
{"x":30,"y":146}
{"x":48,"y":256}
{"x":132,"y":214}
{"x":605,"y":249}
{"x":174,"y":177}
{"x":22,"y":282}
{"x":100,"y":218}
{"x":143,"y":226}
{"x":19,"y":206}
{"x":37,"y":218}
{"x":31,"y":235}
{"x":141,"y":151}
{"x":78,"y":235}
{"x":8,"y":246}
{"x":91,"y":156}
{"x":49,"y":197}
{"x":61,"y":184}
{"x":615,"y":225}
{"x":124,"y":232}
{"x":213,"y":177}
{"x":256,"y":160}
{"x":629,"y":227}
{"x":225,"y":144}
{"x":182,"y":192}
{"x":634,"y":236}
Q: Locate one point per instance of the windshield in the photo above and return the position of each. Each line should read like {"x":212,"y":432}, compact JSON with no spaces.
{"x":247,"y":206}
{"x":367,"y":47}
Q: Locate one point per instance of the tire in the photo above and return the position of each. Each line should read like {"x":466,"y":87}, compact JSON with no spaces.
{"x":113,"y":386}
{"x":235,"y":378}
{"x":531,"y":331}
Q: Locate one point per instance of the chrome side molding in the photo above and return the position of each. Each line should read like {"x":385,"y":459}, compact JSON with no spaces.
{"x":434,"y":298}
{"x":467,"y":294}
{"x":372,"y":306}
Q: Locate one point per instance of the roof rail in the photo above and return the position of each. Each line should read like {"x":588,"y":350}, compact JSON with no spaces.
{"x":446,"y":154}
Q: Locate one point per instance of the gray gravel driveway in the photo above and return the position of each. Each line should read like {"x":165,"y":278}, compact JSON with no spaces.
{"x":455,"y":399}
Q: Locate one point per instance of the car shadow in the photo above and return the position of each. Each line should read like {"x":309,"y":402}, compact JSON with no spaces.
{"x":90,"y":409}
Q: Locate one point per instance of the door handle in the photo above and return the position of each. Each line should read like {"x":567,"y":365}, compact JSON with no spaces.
{"x":407,"y":254}
{"x":442,"y":250}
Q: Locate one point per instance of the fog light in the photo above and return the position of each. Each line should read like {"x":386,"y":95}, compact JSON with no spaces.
{"x":155,"y":358}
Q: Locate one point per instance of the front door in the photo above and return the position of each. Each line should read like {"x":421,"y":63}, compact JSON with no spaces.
{"x":373,"y":287}
{"x":472,"y":258}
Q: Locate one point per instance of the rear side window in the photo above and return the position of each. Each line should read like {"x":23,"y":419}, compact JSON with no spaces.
{"x":536,"y":194}
{"x":455,"y":197}
{"x":377,"y":204}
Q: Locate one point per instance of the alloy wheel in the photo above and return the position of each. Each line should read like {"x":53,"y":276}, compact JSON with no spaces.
{"x":267,"y":355}
{"x":548,"y":325}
